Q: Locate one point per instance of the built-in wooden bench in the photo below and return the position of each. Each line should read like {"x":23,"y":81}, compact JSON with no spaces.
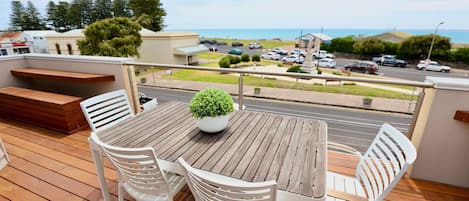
{"x":50,"y":110}
{"x":41,"y":73}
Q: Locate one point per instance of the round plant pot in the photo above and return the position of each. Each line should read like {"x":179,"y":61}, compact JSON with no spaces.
{"x":213,"y":124}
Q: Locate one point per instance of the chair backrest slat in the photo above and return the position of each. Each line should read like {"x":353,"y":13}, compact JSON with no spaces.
{"x":138,"y":167}
{"x":385,"y":162}
{"x":206,"y":187}
{"x":106,"y":110}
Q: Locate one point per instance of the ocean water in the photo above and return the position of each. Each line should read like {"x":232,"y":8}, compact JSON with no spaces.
{"x":456,"y":36}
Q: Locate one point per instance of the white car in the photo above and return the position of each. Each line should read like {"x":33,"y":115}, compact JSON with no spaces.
{"x":326,"y":62}
{"x":253,"y":45}
{"x":297,"y":52}
{"x":323,"y":54}
{"x":271,"y":55}
{"x":293,"y":59}
{"x":433,"y":66}
{"x":279,"y":51}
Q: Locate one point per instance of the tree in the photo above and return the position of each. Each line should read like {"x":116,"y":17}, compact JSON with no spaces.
{"x":32,"y":19}
{"x":417,"y":47}
{"x":462,"y":55}
{"x":51,"y":17}
{"x":16,"y":16}
{"x":148,"y":13}
{"x":102,"y":9}
{"x":118,"y":37}
{"x":344,"y":45}
{"x":120,"y":8}
{"x":87,"y":12}
{"x":369,"y":47}
{"x":75,"y":15}
{"x":61,"y":18}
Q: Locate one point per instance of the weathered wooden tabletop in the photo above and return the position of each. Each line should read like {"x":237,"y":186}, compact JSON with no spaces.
{"x":255,"y":146}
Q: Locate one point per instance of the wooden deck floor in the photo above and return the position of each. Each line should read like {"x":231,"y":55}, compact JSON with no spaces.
{"x":46,"y":165}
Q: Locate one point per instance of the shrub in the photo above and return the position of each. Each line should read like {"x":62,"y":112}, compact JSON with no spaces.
{"x":236,"y":60}
{"x":211,"y":102}
{"x":390,"y":48}
{"x":369,"y":47}
{"x":349,"y":84}
{"x":224,"y":62}
{"x":295,"y":69}
{"x":245,"y":58}
{"x":461,"y":54}
{"x":256,"y":58}
{"x":232,"y":59}
{"x":280,"y":65}
{"x":344,"y":45}
{"x":319,"y":71}
{"x":417,"y":47}
{"x":337,"y":73}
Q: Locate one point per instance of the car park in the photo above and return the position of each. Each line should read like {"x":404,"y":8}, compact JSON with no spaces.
{"x":279,"y":51}
{"x":271,"y":55}
{"x":203,"y":41}
{"x":362,"y":67}
{"x":293,"y":59}
{"x":222,"y":42}
{"x":235,"y":51}
{"x":253,"y":45}
{"x":236,"y":44}
{"x":433,"y":66}
{"x":325,"y":62}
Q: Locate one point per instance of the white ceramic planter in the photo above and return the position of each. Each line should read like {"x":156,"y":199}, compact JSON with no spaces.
{"x":213,"y":124}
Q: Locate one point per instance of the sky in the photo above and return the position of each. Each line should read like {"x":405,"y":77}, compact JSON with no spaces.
{"x":355,"y":14}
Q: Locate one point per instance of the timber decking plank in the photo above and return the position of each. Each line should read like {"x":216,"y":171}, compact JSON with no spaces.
{"x":36,"y":185}
{"x":13,"y":192}
{"x":61,"y":75}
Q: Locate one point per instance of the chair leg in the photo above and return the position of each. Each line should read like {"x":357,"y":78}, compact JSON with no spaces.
{"x":120,"y":189}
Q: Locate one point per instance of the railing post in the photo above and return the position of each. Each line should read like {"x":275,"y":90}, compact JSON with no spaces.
{"x":240,"y":91}
{"x":416,"y":113}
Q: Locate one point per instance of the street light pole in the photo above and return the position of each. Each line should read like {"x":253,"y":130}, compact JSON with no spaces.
{"x":431,"y":45}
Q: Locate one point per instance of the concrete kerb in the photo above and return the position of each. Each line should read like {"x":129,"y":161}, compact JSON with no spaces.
{"x":288,"y":100}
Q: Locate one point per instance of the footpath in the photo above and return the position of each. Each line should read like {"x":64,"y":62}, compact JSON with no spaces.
{"x":332,"y":99}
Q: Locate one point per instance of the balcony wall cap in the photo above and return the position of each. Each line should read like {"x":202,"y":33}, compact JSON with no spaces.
{"x":460,"y":84}
{"x":77,"y":58}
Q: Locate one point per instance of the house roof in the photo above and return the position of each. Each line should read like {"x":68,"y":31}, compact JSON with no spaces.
{"x":40,"y":32}
{"x":320,"y":36}
{"x":191,"y":50}
{"x":11,"y":37}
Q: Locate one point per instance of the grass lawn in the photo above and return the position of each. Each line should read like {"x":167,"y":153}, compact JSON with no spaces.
{"x":268,"y":44}
{"x":204,"y":76}
{"x":242,"y":64}
{"x":211,"y":55}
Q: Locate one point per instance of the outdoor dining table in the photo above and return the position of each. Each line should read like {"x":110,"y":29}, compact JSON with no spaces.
{"x":255,"y":147}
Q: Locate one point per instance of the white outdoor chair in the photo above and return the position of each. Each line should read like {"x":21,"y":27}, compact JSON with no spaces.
{"x":106,"y":110}
{"x":206,"y":186}
{"x":4,"y":159}
{"x":140,"y":174}
{"x":379,"y":169}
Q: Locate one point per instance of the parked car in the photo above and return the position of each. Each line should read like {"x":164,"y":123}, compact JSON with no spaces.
{"x":363,"y":67}
{"x":279,"y":51}
{"x":389,"y":60}
{"x":203,"y":41}
{"x":298,"y":52}
{"x":271,"y":55}
{"x":221,"y":43}
{"x":293,"y":59}
{"x":212,"y":42}
{"x":212,"y":48}
{"x":255,"y":45}
{"x":236,"y":44}
{"x":326,"y":62}
{"x":235,"y":51}
{"x":433,"y":66}
{"x":323,"y":54}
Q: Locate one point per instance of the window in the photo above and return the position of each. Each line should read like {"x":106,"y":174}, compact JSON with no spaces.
{"x":57,"y":47}
{"x":69,"y":47}
{"x":22,"y":50}
{"x":3,"y":52}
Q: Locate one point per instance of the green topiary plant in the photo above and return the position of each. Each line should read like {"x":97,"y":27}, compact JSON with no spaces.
{"x":224,"y":62}
{"x":256,"y":58}
{"x":245,"y":58}
{"x":211,"y":102}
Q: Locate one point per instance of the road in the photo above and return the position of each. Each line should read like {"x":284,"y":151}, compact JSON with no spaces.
{"x":352,"y":127}
{"x":408,"y":73}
